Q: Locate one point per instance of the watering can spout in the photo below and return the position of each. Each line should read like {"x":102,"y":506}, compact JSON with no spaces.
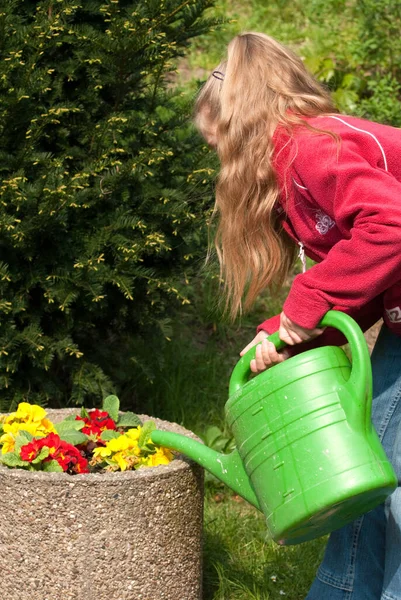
{"x":228,"y":468}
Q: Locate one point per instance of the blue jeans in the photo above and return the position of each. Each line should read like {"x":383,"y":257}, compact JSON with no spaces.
{"x":363,"y":560}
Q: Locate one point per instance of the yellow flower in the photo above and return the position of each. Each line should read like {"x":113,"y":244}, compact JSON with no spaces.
{"x":162,"y":456}
{"x":120,"y":460}
{"x":8,"y":441}
{"x":33,"y":428}
{"x":27,"y":413}
{"x":119,"y":444}
{"x":134,"y":434}
{"x":115,"y":445}
{"x":124,"y":453}
{"x":101,"y":451}
{"x":27,"y":417}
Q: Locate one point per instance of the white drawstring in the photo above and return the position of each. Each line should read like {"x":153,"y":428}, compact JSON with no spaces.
{"x":301,"y":255}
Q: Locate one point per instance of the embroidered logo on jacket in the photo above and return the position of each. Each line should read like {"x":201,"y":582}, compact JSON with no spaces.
{"x":323,"y":222}
{"x":394,"y":314}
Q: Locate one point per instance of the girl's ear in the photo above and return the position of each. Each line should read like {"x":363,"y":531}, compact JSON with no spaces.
{"x":210,"y":136}
{"x":207,"y":126}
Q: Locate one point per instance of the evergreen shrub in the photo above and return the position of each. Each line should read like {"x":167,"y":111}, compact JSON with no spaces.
{"x":103,"y":194}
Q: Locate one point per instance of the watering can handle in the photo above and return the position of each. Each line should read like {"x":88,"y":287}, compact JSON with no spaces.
{"x":361,"y":373}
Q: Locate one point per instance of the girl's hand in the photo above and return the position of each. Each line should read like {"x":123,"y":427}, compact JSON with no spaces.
{"x":266,"y":355}
{"x":291,"y":333}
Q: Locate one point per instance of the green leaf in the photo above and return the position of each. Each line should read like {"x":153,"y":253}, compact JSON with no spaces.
{"x":147,"y":429}
{"x":313,"y":63}
{"x":22,"y":439}
{"x":67,"y":426}
{"x":52,"y":467}
{"x":148,"y":448}
{"x":73,"y":437}
{"x":212,"y":434}
{"x":84,"y":413}
{"x":217,"y":440}
{"x":129,"y":419}
{"x":44,"y":453}
{"x":111,"y":405}
{"x":10,"y":459}
{"x":109,"y":434}
{"x":26,"y":435}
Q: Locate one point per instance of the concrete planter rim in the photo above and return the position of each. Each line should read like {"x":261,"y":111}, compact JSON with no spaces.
{"x":179,"y":463}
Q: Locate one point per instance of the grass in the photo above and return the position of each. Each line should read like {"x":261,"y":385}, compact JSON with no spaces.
{"x":241,"y":563}
{"x":194,"y":367}
{"x":301,"y":24}
{"x":281,"y":19}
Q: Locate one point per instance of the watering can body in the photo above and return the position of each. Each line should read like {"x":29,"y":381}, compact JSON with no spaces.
{"x":306,"y":453}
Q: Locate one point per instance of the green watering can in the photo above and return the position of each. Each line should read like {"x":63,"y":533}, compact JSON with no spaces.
{"x":306,"y":453}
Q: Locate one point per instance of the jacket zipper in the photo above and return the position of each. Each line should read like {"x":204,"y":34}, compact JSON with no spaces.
{"x":301,"y":256}
{"x":301,"y":253}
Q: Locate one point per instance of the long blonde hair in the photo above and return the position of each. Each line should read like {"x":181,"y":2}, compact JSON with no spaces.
{"x":261,"y":84}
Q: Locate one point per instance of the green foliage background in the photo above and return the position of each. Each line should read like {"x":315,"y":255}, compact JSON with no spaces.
{"x":102,"y":194}
{"x":106,"y":189}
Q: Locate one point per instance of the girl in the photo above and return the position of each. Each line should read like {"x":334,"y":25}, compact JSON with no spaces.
{"x":296,"y":175}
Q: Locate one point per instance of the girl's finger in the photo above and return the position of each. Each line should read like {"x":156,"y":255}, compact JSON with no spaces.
{"x":259,"y":359}
{"x":269,"y":353}
{"x":252,"y":366}
{"x":261,"y":335}
{"x":289,"y":337}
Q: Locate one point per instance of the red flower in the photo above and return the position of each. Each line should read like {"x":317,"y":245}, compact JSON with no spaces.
{"x":30,"y":451}
{"x":96,"y":422}
{"x":51,"y":441}
{"x":70,"y":459}
{"x":102,"y":419}
{"x":67,"y":456}
{"x":81,"y":466}
{"x":90,"y":428}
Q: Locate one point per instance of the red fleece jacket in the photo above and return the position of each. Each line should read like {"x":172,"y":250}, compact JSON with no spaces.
{"x":342,"y":201}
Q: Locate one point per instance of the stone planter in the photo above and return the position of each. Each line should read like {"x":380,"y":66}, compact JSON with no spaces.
{"x":109,"y":536}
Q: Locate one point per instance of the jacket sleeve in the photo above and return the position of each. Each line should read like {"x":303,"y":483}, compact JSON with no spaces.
{"x":365,"y":202}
